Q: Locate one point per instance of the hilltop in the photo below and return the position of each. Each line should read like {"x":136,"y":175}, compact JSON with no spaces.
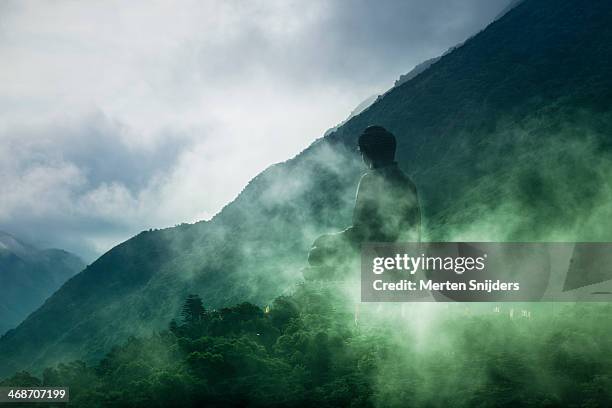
{"x":507,"y":137}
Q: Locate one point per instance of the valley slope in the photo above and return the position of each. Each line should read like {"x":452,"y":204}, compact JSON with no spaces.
{"x":507,"y":137}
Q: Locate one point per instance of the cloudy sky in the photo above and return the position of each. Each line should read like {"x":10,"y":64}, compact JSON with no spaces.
{"x":121,"y":116}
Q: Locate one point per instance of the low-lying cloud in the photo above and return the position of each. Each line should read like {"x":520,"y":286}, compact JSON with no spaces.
{"x":117,"y":117}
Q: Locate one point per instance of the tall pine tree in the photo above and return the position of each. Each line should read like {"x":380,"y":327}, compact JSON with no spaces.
{"x":193,"y":309}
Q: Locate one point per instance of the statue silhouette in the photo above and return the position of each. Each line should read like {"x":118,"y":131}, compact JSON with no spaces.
{"x":386,"y":209}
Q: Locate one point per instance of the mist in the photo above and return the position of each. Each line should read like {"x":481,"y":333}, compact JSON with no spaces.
{"x":118,"y":117}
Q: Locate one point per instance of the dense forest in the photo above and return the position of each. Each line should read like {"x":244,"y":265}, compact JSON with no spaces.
{"x":316,"y":348}
{"x":507,"y":138}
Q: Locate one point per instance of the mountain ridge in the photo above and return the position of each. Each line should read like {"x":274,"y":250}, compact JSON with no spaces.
{"x":506,"y":137}
{"x":29,"y":275}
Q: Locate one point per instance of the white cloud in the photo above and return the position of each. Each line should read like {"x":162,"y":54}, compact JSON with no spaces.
{"x":120,"y":116}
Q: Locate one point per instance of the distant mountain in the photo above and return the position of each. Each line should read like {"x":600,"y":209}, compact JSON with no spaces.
{"x":366,"y":103}
{"x":363,"y":105}
{"x":419,"y":68}
{"x":509,"y":7}
{"x":507,"y":137}
{"x":28,"y":276}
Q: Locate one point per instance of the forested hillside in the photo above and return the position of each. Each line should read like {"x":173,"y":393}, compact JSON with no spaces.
{"x":507,"y":138}
{"x":309,"y":349}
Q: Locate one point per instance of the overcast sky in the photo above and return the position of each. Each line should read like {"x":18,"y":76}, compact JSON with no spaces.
{"x":121,"y":116}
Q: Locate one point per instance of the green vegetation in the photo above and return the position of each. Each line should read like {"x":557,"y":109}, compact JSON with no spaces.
{"x":308,"y":349}
{"x":506,"y":137}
